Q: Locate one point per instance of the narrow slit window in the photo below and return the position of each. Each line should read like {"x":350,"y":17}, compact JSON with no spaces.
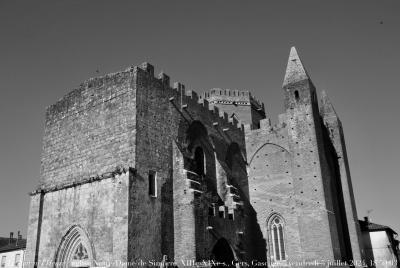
{"x":199,"y":161}
{"x":3,"y":261}
{"x":296,"y":95}
{"x":152,"y":183}
{"x":211,"y":211}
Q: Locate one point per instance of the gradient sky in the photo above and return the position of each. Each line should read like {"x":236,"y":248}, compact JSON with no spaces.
{"x":350,"y":49}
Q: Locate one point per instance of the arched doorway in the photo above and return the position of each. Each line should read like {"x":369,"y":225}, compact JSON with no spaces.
{"x":75,"y":249}
{"x":222,"y":254}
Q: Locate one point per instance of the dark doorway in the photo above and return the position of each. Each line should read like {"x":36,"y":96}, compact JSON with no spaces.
{"x":222,"y":254}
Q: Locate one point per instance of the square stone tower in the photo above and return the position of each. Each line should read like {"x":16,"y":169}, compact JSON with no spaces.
{"x":136,"y":172}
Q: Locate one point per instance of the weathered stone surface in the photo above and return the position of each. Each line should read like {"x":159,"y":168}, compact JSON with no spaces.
{"x":216,"y":180}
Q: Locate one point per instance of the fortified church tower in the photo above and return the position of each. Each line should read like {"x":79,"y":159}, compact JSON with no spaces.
{"x":135,"y":171}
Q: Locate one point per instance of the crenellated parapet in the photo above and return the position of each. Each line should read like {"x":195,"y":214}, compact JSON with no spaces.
{"x":187,"y":99}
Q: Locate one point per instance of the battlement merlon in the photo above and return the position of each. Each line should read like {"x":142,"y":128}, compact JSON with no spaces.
{"x":187,"y":99}
{"x":88,"y":95}
{"x":266,"y":125}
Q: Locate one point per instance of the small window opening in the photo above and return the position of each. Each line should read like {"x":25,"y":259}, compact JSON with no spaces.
{"x":230,"y":216}
{"x":152,"y":183}
{"x":3,"y":261}
{"x":17,"y":259}
{"x":211,"y":211}
{"x":221,"y":213}
{"x":296,"y":95}
{"x":199,"y":161}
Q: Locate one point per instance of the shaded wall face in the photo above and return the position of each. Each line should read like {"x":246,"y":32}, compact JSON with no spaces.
{"x":338,"y":202}
{"x":90,"y":130}
{"x":336,"y":139}
{"x":150,"y":217}
{"x":367,"y":248}
{"x":164,"y":116}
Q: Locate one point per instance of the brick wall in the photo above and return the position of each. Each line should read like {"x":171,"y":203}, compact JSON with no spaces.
{"x":165,"y":115}
{"x":137,"y":122}
{"x":246,"y":108}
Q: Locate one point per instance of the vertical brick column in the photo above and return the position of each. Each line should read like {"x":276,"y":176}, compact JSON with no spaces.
{"x":184,"y":212}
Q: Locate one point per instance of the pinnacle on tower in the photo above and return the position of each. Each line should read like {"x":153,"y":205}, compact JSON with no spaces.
{"x":295,"y":70}
{"x":326,"y":105}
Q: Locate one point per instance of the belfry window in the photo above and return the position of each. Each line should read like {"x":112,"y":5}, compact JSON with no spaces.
{"x":277,"y":238}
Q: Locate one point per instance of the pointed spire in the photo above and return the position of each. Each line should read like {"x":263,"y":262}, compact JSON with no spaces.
{"x":326,"y":106}
{"x":295,"y":70}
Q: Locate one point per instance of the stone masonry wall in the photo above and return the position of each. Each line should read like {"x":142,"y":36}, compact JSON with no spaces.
{"x":33,"y":224}
{"x":247,"y":109}
{"x":100,"y":208}
{"x":164,"y":116}
{"x":90,"y":131}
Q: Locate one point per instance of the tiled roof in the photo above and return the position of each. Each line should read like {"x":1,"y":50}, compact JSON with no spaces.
{"x":4,"y":241}
{"x":370,"y":226}
{"x":14,"y":246}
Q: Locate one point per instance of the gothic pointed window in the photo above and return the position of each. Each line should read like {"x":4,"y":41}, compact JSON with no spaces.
{"x":75,"y":249}
{"x":277,"y":239}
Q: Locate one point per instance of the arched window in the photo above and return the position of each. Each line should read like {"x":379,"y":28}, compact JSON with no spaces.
{"x":277,"y":239}
{"x":75,"y":249}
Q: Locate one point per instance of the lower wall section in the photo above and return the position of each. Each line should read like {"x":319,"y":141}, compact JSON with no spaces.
{"x":100,"y":208}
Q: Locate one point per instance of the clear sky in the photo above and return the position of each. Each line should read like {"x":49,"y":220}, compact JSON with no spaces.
{"x":350,"y":49}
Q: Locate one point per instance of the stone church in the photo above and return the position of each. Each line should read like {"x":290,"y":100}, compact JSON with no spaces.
{"x":136,"y":172}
